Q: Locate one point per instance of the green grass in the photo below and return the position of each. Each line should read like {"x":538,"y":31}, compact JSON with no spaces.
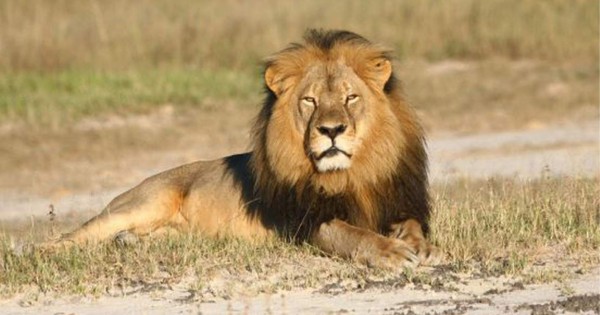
{"x":498,"y":227}
{"x":69,"y":95}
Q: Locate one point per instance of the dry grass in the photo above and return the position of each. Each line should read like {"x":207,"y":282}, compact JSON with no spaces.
{"x":506,"y":226}
{"x":52,"y":35}
{"x":494,"y":227}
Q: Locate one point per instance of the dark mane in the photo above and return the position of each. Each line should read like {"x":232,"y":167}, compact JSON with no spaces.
{"x":325,"y":40}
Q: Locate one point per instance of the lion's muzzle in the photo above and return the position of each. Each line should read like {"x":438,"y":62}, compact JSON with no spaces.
{"x":332,"y":149}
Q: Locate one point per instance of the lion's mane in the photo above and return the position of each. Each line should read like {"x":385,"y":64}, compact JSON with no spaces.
{"x":295,"y":208}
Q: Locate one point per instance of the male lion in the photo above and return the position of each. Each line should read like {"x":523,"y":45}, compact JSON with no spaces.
{"x":338,"y":161}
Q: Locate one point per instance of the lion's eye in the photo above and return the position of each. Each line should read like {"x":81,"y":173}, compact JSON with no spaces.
{"x":309,"y":100}
{"x":351,"y":98}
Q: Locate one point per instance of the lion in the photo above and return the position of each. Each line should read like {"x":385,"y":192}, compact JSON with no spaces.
{"x":338,"y":161}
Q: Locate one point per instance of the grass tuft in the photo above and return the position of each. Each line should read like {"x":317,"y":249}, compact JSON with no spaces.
{"x":506,"y":226}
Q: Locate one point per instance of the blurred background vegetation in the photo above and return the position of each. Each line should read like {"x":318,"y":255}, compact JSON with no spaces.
{"x":67,"y":59}
{"x":231,"y":34}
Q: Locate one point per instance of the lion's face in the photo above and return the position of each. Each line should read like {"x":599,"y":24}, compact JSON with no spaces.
{"x":332,"y":105}
{"x":331,"y":121}
{"x":330,"y":112}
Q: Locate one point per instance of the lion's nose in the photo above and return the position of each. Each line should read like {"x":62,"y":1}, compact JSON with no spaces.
{"x":331,"y":131}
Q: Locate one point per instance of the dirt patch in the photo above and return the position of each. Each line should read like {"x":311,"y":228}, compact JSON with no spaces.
{"x":576,"y":304}
{"x":407,"y":299}
{"x":568,"y":150}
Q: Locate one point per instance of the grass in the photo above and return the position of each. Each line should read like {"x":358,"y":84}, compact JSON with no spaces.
{"x":506,"y":226}
{"x":59,"y":98}
{"x":502,"y":93}
{"x":497,"y":227}
{"x":112,"y":34}
{"x":63,"y":60}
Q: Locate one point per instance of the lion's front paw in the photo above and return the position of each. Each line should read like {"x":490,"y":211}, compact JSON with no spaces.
{"x":429,"y":255}
{"x":411,"y":233}
{"x":387,"y":253}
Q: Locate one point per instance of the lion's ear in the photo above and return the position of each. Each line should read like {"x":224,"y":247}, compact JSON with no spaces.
{"x":274,"y":80}
{"x":382,"y":70}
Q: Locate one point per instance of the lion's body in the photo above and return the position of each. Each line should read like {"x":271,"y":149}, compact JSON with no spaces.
{"x":338,"y":161}
{"x":202,"y":197}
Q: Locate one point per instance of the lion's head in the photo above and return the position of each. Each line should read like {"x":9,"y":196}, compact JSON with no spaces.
{"x":334,"y":124}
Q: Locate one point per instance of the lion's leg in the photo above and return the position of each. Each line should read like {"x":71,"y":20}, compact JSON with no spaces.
{"x":131,"y":212}
{"x":340,"y":238}
{"x":411,"y":232}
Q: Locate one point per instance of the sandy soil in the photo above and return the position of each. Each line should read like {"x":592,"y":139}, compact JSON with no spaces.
{"x":568,"y":150}
{"x":467,"y":295}
{"x":565,"y":150}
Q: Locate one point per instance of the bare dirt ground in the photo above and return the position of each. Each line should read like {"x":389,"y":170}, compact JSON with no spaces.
{"x":121,"y":152}
{"x":466,"y":295}
{"x":568,"y":150}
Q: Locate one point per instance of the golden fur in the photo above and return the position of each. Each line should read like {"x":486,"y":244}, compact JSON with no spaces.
{"x":338,"y":160}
